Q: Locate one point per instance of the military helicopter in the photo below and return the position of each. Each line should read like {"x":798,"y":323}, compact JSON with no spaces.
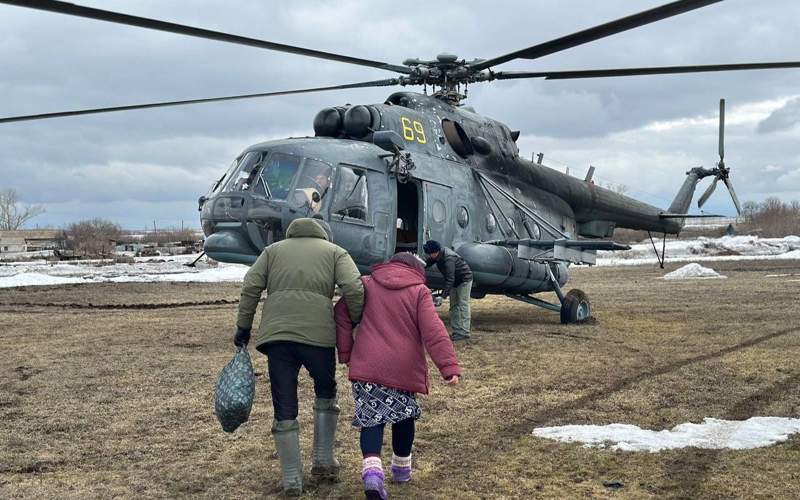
{"x":388,"y":176}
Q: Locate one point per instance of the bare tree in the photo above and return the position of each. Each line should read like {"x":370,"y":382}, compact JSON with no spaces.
{"x":617,"y":188}
{"x":93,"y":238}
{"x":772,"y":217}
{"x":14,"y":214}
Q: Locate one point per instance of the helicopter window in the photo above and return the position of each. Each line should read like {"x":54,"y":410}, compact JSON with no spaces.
{"x":278,"y":173}
{"x":439,"y":211}
{"x":260,"y":187}
{"x":351,"y":196}
{"x":463,"y":216}
{"x":245,"y":175}
{"x":314,"y":178}
{"x":491,"y":223}
{"x":217,"y":185}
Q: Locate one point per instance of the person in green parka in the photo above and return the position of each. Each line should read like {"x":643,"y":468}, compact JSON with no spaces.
{"x":297,"y":329}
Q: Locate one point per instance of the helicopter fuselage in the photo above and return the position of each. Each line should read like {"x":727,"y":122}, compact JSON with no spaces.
{"x":464,"y":184}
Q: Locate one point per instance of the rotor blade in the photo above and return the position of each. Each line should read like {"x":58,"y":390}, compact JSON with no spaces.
{"x":376,"y":83}
{"x":154,"y":24}
{"x":707,"y":194}
{"x":597,"y":32}
{"x":722,"y":132}
{"x":656,"y":70}
{"x":735,"y":198}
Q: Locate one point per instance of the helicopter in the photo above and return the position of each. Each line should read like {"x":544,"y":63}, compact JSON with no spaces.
{"x":388,"y":176}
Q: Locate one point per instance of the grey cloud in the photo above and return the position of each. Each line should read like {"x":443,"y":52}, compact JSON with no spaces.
{"x":52,"y":62}
{"x":784,"y":118}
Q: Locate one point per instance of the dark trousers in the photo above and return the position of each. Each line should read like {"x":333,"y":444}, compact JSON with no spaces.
{"x":285,"y":360}
{"x":402,"y":438}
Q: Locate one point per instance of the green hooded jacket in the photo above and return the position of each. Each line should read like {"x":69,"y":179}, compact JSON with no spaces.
{"x":299,"y":275}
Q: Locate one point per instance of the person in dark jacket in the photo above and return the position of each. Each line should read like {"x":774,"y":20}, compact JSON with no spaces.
{"x":457,"y":285}
{"x":297,"y":329}
{"x":387,"y":363}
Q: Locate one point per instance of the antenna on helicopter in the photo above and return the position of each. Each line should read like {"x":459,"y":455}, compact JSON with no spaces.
{"x":721,"y":172}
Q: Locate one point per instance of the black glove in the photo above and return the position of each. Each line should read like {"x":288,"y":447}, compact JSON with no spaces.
{"x":241,"y":337}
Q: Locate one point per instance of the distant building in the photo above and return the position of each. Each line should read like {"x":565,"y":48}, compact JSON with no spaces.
{"x":32,"y":240}
{"x":11,"y":245}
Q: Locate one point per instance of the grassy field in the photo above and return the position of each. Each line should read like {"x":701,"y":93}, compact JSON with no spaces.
{"x":114,"y":399}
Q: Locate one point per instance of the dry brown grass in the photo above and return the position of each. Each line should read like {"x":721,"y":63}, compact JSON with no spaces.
{"x":102,"y":403}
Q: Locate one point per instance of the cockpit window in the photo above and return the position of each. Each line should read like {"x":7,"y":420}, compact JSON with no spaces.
{"x":277,"y":175}
{"x":352,"y":196}
{"x":246,"y":173}
{"x":217,"y":186}
{"x":313,"y":184}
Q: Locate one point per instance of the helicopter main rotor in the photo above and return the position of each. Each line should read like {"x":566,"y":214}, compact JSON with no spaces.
{"x":447,"y":72}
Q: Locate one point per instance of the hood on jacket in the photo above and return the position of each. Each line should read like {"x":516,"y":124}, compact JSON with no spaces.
{"x":394,"y":275}
{"x":306,"y":228}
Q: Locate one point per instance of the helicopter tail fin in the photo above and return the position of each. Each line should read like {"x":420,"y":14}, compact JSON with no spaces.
{"x":680,"y":205}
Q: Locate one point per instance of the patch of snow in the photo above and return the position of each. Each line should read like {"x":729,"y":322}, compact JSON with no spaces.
{"x":714,"y":434}
{"x":24,"y":255}
{"x":32,"y":279}
{"x":146,"y":269}
{"x":693,"y":271}
{"x":726,"y":248}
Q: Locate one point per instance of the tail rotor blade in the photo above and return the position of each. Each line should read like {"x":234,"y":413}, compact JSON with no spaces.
{"x":735,"y":198}
{"x":721,"y":129}
{"x":707,"y":193}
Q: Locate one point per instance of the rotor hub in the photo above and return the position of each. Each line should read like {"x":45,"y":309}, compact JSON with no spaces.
{"x":447,"y":72}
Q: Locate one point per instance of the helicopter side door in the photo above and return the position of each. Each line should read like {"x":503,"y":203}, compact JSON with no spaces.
{"x":360,"y":213}
{"x":437,"y":202}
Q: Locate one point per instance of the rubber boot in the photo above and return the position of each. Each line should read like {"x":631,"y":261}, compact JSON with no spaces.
{"x":287,"y":441}
{"x":325,"y":467}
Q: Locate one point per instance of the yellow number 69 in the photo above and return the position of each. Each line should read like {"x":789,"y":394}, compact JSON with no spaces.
{"x":413,"y":130}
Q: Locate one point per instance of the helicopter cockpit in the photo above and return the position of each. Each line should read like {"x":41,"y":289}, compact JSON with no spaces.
{"x":261,"y":188}
{"x":276,"y":176}
{"x":272,"y":183}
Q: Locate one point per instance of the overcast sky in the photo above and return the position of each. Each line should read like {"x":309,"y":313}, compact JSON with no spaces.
{"x":140,"y":166}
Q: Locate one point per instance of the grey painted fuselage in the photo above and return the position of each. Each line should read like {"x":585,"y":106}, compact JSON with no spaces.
{"x":373,"y":213}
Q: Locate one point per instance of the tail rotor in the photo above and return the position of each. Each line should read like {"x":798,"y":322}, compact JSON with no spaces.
{"x":721,"y":172}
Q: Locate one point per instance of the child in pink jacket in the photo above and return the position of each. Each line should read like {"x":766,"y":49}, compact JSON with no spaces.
{"x":387,"y":362}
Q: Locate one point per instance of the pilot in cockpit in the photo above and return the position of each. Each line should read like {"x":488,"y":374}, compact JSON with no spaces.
{"x":320,"y":186}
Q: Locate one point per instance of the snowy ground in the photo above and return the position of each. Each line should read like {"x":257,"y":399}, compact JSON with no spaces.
{"x":171,"y":268}
{"x":706,"y":249}
{"x":714,"y":434}
{"x":144,"y":269}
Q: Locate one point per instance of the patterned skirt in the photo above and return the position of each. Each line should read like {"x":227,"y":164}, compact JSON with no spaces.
{"x":377,"y":404}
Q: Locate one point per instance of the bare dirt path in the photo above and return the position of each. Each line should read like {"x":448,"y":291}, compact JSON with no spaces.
{"x":106,"y":390}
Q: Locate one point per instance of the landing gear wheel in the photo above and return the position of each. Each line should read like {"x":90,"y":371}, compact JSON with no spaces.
{"x":576,"y":307}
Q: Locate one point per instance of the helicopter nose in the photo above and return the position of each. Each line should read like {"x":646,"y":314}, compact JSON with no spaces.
{"x":238,"y":226}
{"x":230,"y":245}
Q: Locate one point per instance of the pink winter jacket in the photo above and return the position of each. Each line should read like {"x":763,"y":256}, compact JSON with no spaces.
{"x":398,"y":325}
